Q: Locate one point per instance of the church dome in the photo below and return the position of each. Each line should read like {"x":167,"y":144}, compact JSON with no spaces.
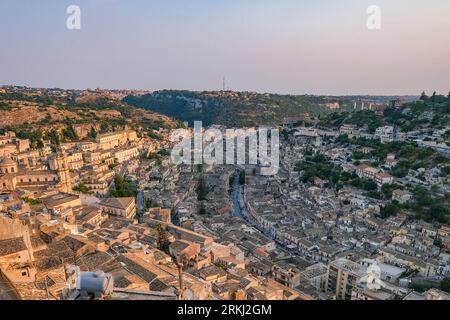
{"x":8,"y":165}
{"x":7,"y":162}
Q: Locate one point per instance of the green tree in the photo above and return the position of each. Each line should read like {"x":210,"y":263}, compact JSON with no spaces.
{"x":391,"y":209}
{"x":163,"y":239}
{"x":54,"y":137}
{"x":93,"y":134}
{"x":433,"y":99}
{"x":242,"y":177}
{"x":423,"y":96}
{"x":202,"y":209}
{"x":163,"y":152}
{"x":123,"y":188}
{"x":202,"y":189}
{"x":445,"y":285}
{"x":342,"y":139}
{"x":81,"y":187}
{"x":70,"y":133}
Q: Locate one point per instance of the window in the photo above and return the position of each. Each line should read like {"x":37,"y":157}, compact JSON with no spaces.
{"x":24,"y":273}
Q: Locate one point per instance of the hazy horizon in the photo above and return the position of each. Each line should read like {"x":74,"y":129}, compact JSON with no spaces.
{"x":320,"y":47}
{"x":215,"y":90}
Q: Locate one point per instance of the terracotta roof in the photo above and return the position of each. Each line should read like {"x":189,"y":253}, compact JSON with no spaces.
{"x":59,"y":199}
{"x":120,"y":203}
{"x":49,"y":263}
{"x":384,"y":175}
{"x":94,"y":261}
{"x":179,"y":246}
{"x":7,"y":162}
{"x":211,"y":271}
{"x":136,"y":268}
{"x":10,"y":246}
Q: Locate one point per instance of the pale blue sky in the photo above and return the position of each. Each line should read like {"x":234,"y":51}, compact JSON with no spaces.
{"x":285,"y":46}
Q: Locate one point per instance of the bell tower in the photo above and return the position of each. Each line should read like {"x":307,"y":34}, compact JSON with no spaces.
{"x":62,"y":167}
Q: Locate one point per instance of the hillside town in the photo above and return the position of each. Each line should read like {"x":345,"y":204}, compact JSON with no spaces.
{"x":339,"y":220}
{"x":224,"y":159}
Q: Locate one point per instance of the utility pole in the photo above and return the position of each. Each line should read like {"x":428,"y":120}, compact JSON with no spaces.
{"x":180,"y":276}
{"x":46,"y":287}
{"x":180,"y":281}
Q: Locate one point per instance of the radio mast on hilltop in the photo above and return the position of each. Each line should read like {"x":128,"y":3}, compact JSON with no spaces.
{"x":224,"y":87}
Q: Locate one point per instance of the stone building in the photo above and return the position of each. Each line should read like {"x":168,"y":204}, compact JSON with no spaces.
{"x":120,"y":207}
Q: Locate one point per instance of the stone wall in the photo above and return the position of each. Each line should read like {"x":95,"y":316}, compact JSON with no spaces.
{"x":10,"y":228}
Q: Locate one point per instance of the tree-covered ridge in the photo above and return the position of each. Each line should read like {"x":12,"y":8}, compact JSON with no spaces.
{"x":229,"y":108}
{"x":62,"y":107}
{"x":408,"y":154}
{"x":429,"y":112}
{"x":430,"y":204}
{"x":54,"y":115}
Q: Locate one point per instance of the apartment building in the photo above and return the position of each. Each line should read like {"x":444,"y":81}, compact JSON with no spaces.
{"x":343,"y":276}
